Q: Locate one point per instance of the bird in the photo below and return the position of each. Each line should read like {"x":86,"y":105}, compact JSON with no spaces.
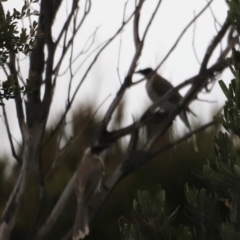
{"x":88,"y":181}
{"x":157,"y":87}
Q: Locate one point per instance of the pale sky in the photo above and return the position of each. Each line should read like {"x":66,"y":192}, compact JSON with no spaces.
{"x":171,"y":19}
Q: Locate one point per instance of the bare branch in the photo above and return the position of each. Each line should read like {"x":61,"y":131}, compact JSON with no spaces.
{"x":62,"y":152}
{"x":151,"y":20}
{"x":18,"y":159}
{"x":63,"y":200}
{"x":193,"y":41}
{"x":136,"y":37}
{"x":70,"y":60}
{"x":182,"y":34}
{"x":213,"y":45}
{"x":83,"y":51}
{"x":128,"y":80}
{"x":183,"y":139}
{"x":118,"y":61}
{"x":216,"y":22}
{"x":69,"y":104}
{"x":232,"y":41}
{"x":18,"y":99}
{"x":97,"y":55}
{"x":66,"y":47}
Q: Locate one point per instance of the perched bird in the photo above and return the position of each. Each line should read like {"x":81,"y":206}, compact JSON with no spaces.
{"x":88,"y":181}
{"x":157,"y":87}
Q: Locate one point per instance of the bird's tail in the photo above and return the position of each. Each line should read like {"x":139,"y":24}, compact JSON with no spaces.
{"x":184,"y":118}
{"x":81,"y":228}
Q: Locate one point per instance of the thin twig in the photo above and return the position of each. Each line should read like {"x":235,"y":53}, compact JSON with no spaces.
{"x":18,"y":159}
{"x":118,"y":60}
{"x":182,"y":34}
{"x":217,"y":39}
{"x":67,"y":147}
{"x":151,"y":20}
{"x":76,"y":58}
{"x":214,"y":17}
{"x":69,"y":104}
{"x":182,"y":139}
{"x":70,"y":59}
{"x":66,"y":47}
{"x":193,"y":41}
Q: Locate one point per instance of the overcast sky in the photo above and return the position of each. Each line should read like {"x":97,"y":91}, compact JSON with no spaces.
{"x":171,"y":19}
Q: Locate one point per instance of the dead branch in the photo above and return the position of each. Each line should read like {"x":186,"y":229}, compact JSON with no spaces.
{"x":18,"y":159}
{"x":182,"y":34}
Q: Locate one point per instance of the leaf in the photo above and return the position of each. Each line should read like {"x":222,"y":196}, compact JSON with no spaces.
{"x":236,"y":170}
{"x":224,"y":88}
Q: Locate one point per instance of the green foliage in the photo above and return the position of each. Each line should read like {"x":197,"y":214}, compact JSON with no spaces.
{"x":201,"y":205}
{"x":228,"y":232}
{"x":8,"y":89}
{"x":11,"y":39}
{"x":231,"y":117}
{"x":181,"y":233}
{"x":14,"y":41}
{"x":233,"y":14}
{"x":150,"y":220}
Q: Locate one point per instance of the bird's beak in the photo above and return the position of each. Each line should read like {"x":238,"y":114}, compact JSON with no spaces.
{"x":137,"y":71}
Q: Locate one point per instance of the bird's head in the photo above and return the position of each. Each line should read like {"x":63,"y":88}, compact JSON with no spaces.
{"x":145,"y":72}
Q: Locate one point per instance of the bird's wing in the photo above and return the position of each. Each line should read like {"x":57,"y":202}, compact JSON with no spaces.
{"x":164,"y":87}
{"x":88,"y":174}
{"x":94,"y":179}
